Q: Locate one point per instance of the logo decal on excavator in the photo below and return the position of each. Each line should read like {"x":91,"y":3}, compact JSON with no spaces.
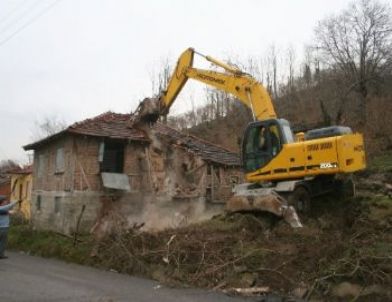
{"x":210,"y":78}
{"x":317,"y":147}
{"x":313,"y":147}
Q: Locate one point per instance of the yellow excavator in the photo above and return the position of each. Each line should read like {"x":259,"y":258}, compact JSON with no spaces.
{"x":296,"y":167}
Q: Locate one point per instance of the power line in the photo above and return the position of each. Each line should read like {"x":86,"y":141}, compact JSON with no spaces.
{"x":25,"y":12}
{"x":12,"y":11}
{"x":29,"y":22}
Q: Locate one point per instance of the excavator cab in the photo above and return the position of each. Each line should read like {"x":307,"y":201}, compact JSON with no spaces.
{"x":263,"y":140}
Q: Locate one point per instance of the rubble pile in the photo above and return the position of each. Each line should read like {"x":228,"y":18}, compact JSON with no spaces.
{"x":342,"y":252}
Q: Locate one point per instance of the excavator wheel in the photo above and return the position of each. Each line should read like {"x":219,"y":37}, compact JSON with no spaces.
{"x":300,"y":200}
{"x":349,"y":188}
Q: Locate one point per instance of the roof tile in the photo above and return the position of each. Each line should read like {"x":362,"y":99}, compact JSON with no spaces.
{"x":116,"y":125}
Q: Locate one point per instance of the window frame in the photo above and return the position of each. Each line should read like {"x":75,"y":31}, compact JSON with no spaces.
{"x":57,"y":205}
{"x":38,"y":203}
{"x":107,"y":161}
{"x":41,"y":165}
{"x":59,"y":161}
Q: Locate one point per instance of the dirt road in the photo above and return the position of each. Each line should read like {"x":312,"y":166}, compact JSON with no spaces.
{"x":28,"y":278}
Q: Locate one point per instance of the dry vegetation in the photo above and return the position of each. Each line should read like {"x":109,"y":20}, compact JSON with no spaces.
{"x":347,"y":241}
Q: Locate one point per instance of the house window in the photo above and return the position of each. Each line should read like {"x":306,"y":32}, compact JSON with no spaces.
{"x":113,"y":156}
{"x":57,"y":204}
{"x":38,"y":203}
{"x":209,"y":170}
{"x":41,"y":165}
{"x":59,"y":160}
{"x":100,"y":151}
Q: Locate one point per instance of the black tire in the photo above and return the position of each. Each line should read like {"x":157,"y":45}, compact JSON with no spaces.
{"x":300,"y":200}
{"x":348,"y":188}
{"x":345,"y":188}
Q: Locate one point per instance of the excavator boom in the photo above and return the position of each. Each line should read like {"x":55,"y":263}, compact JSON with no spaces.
{"x":241,"y":85}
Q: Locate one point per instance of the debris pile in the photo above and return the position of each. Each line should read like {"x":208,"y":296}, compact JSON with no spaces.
{"x":272,"y":203}
{"x":343,"y":252}
{"x":147,"y":112}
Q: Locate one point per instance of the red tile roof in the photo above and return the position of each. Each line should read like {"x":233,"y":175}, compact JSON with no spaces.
{"x":23,"y":170}
{"x":108,"y":124}
{"x":206,"y":150}
{"x":116,"y":125}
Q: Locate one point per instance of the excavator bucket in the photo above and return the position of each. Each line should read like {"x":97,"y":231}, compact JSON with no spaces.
{"x":271,"y":202}
{"x":148,"y":111}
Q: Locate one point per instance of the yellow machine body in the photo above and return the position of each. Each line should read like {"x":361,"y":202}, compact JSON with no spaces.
{"x":331,"y":155}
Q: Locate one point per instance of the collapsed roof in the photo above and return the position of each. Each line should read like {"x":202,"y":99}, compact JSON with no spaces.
{"x":116,"y":126}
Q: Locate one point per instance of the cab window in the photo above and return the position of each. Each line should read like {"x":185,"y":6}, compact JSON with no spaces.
{"x":276,"y":144}
{"x":256,"y":153}
{"x":262,"y":143}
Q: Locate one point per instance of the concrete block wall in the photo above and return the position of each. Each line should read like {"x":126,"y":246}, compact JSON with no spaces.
{"x":106,"y":213}
{"x":62,"y":217}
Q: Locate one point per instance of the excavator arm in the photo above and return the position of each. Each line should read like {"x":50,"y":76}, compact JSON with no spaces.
{"x":241,"y":85}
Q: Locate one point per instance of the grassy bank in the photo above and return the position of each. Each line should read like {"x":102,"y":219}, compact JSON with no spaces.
{"x":23,"y":237}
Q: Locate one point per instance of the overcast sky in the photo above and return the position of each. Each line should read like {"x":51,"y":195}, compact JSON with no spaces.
{"x":75,"y":59}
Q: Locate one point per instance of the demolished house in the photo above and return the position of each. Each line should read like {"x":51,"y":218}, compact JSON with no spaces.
{"x":102,"y":173}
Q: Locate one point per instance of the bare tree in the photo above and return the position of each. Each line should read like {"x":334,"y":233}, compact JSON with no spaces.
{"x":273,"y":66}
{"x":7,"y":165}
{"x":48,"y":126}
{"x":291,"y":67}
{"x":307,"y":67}
{"x":358,"y":43}
{"x":160,"y":79}
{"x":266,"y":70}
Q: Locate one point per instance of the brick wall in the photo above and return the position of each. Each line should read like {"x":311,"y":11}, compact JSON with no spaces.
{"x":45,"y":175}
{"x":168,"y":186}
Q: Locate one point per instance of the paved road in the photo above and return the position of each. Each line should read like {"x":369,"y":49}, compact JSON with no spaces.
{"x":29,"y":278}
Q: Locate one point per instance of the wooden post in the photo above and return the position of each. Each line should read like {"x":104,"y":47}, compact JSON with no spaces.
{"x":147,"y":153}
{"x":212,"y":183}
{"x":78,"y":224}
{"x":83,"y":177}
